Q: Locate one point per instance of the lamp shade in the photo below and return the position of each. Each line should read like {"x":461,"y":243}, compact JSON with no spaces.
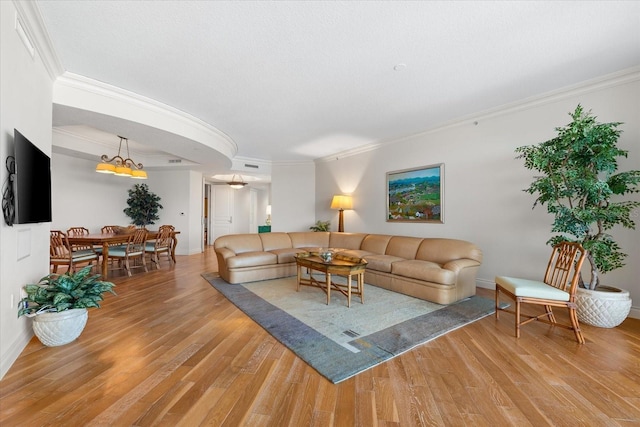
{"x":236,"y":182}
{"x":138,"y":174}
{"x":268,"y":209}
{"x":342,"y":202}
{"x":123,"y":171}
{"x":105,"y":168}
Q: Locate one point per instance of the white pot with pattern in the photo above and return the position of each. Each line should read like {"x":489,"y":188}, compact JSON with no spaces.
{"x":605,"y":307}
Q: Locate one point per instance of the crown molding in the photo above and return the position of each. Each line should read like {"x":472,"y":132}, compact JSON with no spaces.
{"x":593,"y":85}
{"x":85,"y":87}
{"x":31,"y":20}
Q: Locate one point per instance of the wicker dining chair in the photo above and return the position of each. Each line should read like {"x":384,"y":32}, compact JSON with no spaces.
{"x":109,"y":229}
{"x":81,"y":248}
{"x":558,"y":289}
{"x":77,"y":231}
{"x":63,"y":253}
{"x":161,"y":245}
{"x":133,"y":250}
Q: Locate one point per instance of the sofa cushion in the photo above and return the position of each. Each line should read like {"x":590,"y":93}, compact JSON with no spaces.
{"x":356,"y":253}
{"x":444,"y":250}
{"x":424,"y":270}
{"x":252,"y":259}
{"x":403,"y":247}
{"x":272,"y":241}
{"x":286,"y":255}
{"x":310,"y":239}
{"x":381,"y":262}
{"x":346,"y":240}
{"x":375,"y":243}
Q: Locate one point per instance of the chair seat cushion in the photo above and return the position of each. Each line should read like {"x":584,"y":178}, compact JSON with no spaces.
{"x":531,"y":288}
{"x":121,"y":253}
{"x":83,"y":252}
{"x":84,"y":257}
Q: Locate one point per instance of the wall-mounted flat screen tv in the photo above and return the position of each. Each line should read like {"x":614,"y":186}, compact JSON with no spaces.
{"x":32,"y":182}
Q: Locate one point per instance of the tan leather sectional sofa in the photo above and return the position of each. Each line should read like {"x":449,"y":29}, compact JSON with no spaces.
{"x":434,"y":269}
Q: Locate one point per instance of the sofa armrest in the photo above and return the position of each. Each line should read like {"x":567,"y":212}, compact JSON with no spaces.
{"x":460,"y":264}
{"x":225,"y":253}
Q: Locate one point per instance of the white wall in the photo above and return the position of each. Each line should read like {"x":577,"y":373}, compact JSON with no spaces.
{"x":83,"y":198}
{"x":484,"y":202}
{"x":293,"y":197}
{"x":181,"y":196}
{"x":25,"y":104}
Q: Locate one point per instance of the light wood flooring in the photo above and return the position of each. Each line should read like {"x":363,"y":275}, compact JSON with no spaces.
{"x":169,"y":350}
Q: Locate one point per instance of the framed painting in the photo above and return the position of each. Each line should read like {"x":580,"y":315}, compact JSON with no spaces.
{"x":416,"y":195}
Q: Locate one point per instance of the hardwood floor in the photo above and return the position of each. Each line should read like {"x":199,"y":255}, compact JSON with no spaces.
{"x":169,"y":350}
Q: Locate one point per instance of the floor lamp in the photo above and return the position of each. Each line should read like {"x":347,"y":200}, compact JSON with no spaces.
{"x":341,"y":202}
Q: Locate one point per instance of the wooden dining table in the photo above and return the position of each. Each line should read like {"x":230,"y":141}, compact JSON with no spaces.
{"x":107,"y":239}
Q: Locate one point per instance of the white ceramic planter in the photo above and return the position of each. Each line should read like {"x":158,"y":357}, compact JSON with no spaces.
{"x":606,"y":307}
{"x":54,"y":329}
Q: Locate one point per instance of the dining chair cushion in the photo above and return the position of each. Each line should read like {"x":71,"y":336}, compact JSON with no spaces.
{"x":83,"y":252}
{"x":122,"y":252}
{"x":83,"y":257}
{"x":112,"y":247}
{"x":151,"y":247}
{"x":531,"y":288}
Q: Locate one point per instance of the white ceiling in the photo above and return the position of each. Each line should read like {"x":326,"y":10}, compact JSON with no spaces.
{"x":298,"y":80}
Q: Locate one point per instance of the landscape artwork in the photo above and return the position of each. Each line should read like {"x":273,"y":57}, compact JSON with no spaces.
{"x":416,"y":195}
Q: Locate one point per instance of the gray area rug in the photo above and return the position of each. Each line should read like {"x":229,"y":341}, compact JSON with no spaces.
{"x":338,"y":341}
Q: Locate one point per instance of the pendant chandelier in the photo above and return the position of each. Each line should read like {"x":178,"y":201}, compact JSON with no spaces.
{"x":120,"y":166}
{"x":237,"y":183}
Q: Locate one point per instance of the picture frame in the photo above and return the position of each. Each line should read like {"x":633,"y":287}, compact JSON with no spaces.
{"x":416,"y":195}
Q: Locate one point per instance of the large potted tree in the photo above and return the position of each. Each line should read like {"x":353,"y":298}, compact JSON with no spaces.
{"x":58,"y":304}
{"x":581,"y":188}
{"x":143,"y":205}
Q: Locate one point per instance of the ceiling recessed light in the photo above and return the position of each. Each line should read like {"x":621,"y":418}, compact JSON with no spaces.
{"x":400,"y":67}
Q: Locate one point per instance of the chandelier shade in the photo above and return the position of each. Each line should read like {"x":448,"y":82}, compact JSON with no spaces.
{"x":119,"y":166}
{"x":236,"y":182}
{"x":105,"y":168}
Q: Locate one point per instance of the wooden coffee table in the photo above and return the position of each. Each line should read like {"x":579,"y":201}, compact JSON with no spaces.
{"x":340,"y":265}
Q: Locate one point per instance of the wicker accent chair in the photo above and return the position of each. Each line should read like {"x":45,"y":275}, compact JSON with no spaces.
{"x":63,"y":253}
{"x":161,"y":245}
{"x":132,"y":251}
{"x":558,"y":289}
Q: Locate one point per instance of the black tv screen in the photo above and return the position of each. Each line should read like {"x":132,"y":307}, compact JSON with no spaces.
{"x":32,"y":182}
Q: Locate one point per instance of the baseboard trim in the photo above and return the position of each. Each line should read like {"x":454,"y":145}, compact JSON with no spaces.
{"x":13,"y":352}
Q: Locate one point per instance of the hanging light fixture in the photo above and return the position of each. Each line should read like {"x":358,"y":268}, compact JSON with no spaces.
{"x":237,"y":183}
{"x":120,"y":166}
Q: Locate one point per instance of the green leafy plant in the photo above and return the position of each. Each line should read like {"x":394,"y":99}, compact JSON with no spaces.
{"x":143,"y":205}
{"x":582,"y":190}
{"x":321,"y":226}
{"x":56,"y":292}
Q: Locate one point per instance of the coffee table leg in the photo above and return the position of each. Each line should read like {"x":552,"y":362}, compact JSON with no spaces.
{"x":299,"y":277}
{"x":328,"y":284}
{"x":349,"y":291}
{"x":361,"y":286}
